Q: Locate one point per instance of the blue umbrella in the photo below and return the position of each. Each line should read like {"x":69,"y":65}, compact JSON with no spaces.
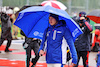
{"x":34,"y":20}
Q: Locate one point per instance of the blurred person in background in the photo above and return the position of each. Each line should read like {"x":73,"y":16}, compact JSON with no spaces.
{"x":6,"y":31}
{"x":14,"y":28}
{"x":82,"y":43}
{"x":96,"y":41}
{"x":28,"y":45}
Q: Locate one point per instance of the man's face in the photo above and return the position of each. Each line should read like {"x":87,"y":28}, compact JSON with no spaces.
{"x":52,"y":21}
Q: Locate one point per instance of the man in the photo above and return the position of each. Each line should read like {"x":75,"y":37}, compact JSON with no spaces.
{"x":55,"y":50}
{"x":31,"y":44}
{"x":82,"y":43}
{"x":96,"y":41}
{"x":6,"y":31}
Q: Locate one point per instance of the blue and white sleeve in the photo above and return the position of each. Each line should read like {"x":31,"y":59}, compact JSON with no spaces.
{"x":69,"y":39}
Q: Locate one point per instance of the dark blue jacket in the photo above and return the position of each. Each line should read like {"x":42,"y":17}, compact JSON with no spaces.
{"x":82,"y":43}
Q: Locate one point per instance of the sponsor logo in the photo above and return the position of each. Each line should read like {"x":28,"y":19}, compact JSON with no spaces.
{"x":36,"y":33}
{"x":75,"y":32}
{"x":48,"y":33}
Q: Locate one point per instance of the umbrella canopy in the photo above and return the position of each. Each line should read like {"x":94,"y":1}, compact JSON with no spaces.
{"x":55,"y":4}
{"x":34,"y":20}
{"x":95,"y":15}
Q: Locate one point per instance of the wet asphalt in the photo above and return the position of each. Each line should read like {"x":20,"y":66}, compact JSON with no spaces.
{"x":16,"y":45}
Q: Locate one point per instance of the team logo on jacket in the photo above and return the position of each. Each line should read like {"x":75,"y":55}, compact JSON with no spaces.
{"x":48,"y":33}
{"x":59,"y":32}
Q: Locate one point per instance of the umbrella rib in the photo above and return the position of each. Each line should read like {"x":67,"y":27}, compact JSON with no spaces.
{"x":36,"y":23}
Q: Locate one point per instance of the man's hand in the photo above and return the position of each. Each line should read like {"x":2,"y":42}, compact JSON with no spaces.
{"x":81,"y":18}
{"x":41,"y":53}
